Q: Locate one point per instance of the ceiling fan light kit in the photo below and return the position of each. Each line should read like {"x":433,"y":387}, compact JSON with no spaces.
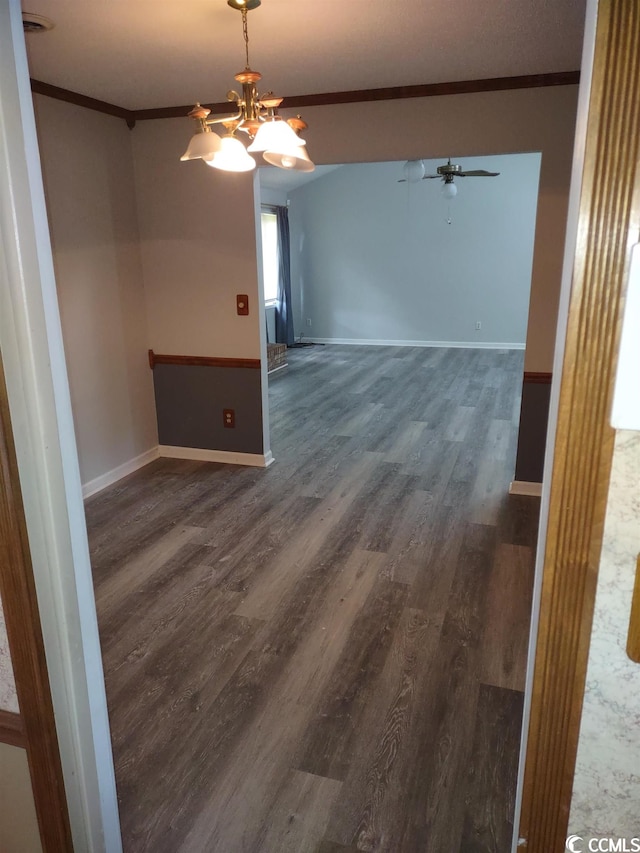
{"x":449,"y":189}
{"x":414,"y":172}
{"x":256,"y":115}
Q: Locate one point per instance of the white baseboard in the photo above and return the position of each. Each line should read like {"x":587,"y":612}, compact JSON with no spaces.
{"x":522,"y":487}
{"x":111,"y":477}
{"x":447,"y":344}
{"x":198,"y":454}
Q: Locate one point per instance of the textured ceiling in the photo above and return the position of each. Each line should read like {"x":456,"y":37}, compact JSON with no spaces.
{"x":140,"y":54}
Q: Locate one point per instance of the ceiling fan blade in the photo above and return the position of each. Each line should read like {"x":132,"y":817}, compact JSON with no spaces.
{"x":402,"y":180}
{"x":424,"y":177}
{"x":477,"y":173}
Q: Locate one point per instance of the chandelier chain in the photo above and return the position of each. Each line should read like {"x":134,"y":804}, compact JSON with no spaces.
{"x":245,"y":33}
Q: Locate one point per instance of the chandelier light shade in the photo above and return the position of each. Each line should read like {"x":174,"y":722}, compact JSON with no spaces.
{"x":296,"y":159}
{"x":232,"y":156}
{"x":203,"y":145}
{"x":275,"y":135}
{"x":256,"y":115}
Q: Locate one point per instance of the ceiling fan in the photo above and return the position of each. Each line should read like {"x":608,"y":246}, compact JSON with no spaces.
{"x":414,"y":172}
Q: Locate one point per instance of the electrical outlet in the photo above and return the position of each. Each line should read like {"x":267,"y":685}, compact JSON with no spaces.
{"x":229,"y":418}
{"x":242,"y":304}
{"x":309,"y":321}
{"x":478,"y":325}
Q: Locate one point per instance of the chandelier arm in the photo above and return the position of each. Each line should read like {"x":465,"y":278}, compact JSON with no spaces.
{"x":236,"y":117}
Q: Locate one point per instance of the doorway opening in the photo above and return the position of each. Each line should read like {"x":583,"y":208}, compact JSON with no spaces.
{"x":402,"y":456}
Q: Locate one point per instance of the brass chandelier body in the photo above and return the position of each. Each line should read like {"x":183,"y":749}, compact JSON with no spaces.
{"x":256,"y":115}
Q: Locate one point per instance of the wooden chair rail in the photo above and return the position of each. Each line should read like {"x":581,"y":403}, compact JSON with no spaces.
{"x":203,"y":361}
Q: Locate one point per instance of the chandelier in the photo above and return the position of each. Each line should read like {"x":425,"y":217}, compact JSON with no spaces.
{"x":277,"y":139}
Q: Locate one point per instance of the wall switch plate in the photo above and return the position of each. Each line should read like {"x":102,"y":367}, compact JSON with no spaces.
{"x":229,"y":418}
{"x":308,"y":321}
{"x":242,"y":304}
{"x":478,"y":325}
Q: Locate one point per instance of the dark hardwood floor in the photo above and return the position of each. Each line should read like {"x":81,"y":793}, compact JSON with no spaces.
{"x":329,"y":655}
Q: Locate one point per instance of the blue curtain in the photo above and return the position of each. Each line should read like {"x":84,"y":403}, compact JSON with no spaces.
{"x":284,"y":315}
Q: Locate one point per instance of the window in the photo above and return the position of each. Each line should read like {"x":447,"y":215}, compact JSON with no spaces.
{"x":270,"y":256}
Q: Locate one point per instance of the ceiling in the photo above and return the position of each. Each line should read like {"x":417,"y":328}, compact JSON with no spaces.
{"x":143,"y":54}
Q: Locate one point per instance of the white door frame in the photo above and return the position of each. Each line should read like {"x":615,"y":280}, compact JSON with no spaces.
{"x":561,"y":331}
{"x":38,"y":392}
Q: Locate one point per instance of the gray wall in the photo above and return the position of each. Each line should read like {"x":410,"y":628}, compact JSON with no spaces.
{"x":484,"y":123}
{"x":532,"y":434}
{"x":377,"y":260}
{"x":269,"y":195}
{"x":190,"y":400}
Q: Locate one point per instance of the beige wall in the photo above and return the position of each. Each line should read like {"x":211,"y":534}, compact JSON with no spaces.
{"x":198,"y":242}
{"x":88,"y":176}
{"x":465,"y":125}
{"x":18,"y":823}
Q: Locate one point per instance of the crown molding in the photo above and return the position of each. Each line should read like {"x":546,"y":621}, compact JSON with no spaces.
{"x":392,"y":93}
{"x":40,"y":88}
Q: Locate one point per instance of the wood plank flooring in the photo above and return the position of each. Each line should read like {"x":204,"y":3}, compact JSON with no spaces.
{"x":329,"y":655}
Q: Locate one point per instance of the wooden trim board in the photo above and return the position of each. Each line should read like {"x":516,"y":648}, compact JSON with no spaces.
{"x":11,"y":730}
{"x":537,"y":378}
{"x":228,"y":457}
{"x":633,"y":637}
{"x":523,"y":487}
{"x":390,"y":93}
{"x":203,"y":361}
{"x":609,"y":220}
{"x":59,"y":94}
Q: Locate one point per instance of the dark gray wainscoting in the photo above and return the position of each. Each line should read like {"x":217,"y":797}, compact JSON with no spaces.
{"x":532,"y":436}
{"x":190,"y":400}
